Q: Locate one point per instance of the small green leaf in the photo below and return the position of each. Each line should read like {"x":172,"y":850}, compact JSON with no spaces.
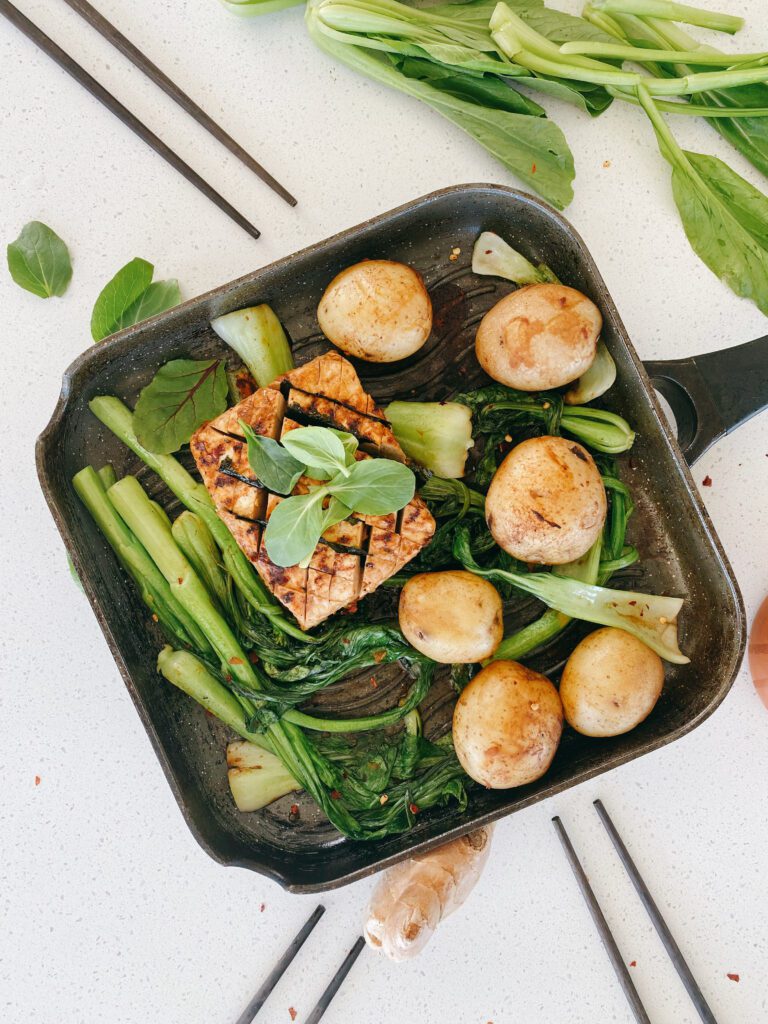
{"x":726,"y":221}
{"x":375,"y":487}
{"x":317,"y":447}
{"x":335,"y":513}
{"x":39,"y":261}
{"x":183,"y":394}
{"x":295,"y":527}
{"x":274,"y":467}
{"x":160,"y":295}
{"x":130,"y":297}
{"x":349,"y":441}
{"x":118,"y":295}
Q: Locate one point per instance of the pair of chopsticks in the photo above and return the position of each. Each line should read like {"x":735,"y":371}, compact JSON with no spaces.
{"x":126,"y":47}
{"x":253,"y":1007}
{"x":617,"y":961}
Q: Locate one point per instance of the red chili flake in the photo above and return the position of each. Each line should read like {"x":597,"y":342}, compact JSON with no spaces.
{"x":413,"y":808}
{"x":262,"y":908}
{"x":379,"y":656}
{"x":292,"y":1012}
{"x":533,"y":168}
{"x":235,"y":661}
{"x":733,"y":977}
{"x":179,"y":580}
{"x":346,"y":641}
{"x":228,"y":677}
{"x":253,"y":657}
{"x":293,"y":814}
{"x":335,"y":794}
{"x":707,"y":481}
{"x":488,"y":252}
{"x":633,"y":603}
{"x":37,"y":780}
{"x":633,"y":963}
{"x":374,"y":684}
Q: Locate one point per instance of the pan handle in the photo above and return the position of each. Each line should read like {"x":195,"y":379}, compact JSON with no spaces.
{"x":713,"y":394}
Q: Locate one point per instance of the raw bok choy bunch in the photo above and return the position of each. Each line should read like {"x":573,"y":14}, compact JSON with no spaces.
{"x":724,"y":217}
{"x":445,"y":57}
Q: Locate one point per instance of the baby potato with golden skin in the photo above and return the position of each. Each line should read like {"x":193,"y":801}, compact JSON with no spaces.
{"x":610,"y":683}
{"x":452,"y":617}
{"x":546,"y":503}
{"x":377,"y":310}
{"x":539,"y":337}
{"x":507,"y":725}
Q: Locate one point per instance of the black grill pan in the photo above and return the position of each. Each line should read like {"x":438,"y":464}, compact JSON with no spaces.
{"x":680,"y":553}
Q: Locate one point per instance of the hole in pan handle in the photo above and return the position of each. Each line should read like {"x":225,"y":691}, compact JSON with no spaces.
{"x":712,"y":394}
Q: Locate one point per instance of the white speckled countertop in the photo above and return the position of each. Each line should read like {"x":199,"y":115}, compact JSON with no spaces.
{"x":110,"y":910}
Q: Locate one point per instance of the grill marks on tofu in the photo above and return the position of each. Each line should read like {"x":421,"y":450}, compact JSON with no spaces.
{"x":373,"y":434}
{"x":355,"y":556}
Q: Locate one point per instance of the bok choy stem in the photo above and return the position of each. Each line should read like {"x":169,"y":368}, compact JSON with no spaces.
{"x":153,"y":587}
{"x":668,"y":11}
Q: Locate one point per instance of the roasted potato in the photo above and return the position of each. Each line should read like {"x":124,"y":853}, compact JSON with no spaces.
{"x":610,"y":683}
{"x":546,"y":502}
{"x":376,"y":310}
{"x":507,"y":725}
{"x":538,"y":337}
{"x":453,"y":617}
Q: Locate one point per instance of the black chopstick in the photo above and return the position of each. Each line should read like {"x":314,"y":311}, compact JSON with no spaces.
{"x":280,"y":968}
{"x":47,"y":45}
{"x":325,"y":999}
{"x":658,"y":921}
{"x":617,"y":961}
{"x":151,"y":70}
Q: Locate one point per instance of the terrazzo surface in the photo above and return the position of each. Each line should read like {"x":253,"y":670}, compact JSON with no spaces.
{"x":110,"y":912}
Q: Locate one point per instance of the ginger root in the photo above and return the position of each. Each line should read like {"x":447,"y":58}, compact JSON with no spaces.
{"x":411,"y":898}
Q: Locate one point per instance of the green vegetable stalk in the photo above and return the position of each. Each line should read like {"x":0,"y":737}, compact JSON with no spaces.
{"x":436,"y":435}
{"x":668,"y":11}
{"x":652,"y":619}
{"x":154,"y":589}
{"x":258,"y":337}
{"x":196,"y":541}
{"x":189,"y":674}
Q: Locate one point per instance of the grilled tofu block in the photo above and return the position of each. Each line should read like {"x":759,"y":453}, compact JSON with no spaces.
{"x":353,"y":557}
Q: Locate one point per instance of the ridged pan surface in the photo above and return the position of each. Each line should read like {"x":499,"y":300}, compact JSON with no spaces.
{"x":680,"y":554}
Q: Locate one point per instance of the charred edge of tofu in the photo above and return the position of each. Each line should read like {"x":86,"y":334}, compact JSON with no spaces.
{"x":286,"y":386}
{"x":227,"y":469}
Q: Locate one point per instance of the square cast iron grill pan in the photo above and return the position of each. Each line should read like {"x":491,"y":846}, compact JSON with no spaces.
{"x":680,"y":553}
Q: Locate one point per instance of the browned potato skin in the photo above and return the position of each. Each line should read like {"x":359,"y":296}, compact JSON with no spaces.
{"x":452,"y":617}
{"x":538,"y":337}
{"x":546,"y":503}
{"x":377,"y":310}
{"x":507,"y":725}
{"x":610,"y":683}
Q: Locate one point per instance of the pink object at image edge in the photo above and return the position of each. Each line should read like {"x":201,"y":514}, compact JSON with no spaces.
{"x":758,"y":652}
